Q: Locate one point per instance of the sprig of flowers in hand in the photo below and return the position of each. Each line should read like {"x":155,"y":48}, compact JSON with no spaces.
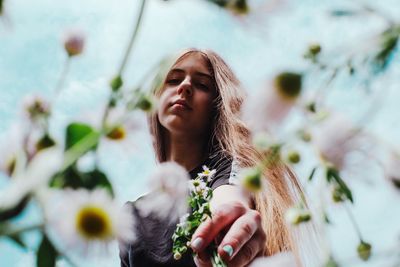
{"x":199,"y":202}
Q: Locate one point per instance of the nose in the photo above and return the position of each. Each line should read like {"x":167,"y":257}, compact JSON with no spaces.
{"x":185,"y":87}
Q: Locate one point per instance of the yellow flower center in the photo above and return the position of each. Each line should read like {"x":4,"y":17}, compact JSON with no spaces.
{"x":117,"y":133}
{"x":93,"y":223}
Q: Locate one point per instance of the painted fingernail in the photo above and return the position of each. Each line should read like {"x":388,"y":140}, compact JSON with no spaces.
{"x":196,"y":244}
{"x":228,"y":249}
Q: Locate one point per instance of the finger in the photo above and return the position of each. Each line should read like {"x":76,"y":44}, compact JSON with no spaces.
{"x":241,"y":231}
{"x":222,"y":217}
{"x":202,"y":259}
{"x":247,"y":253}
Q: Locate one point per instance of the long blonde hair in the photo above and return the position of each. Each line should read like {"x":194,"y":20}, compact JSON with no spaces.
{"x":234,"y":138}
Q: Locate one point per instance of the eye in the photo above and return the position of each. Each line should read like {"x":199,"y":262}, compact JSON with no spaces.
{"x":173,"y":81}
{"x":202,"y":86}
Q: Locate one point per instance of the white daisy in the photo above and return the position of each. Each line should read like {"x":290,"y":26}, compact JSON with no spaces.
{"x":207,"y":173}
{"x":37,"y":174}
{"x":169,"y":200}
{"x":296,"y":215}
{"x":266,"y":110}
{"x":197,"y":185}
{"x":85,"y":219}
{"x":335,"y":138}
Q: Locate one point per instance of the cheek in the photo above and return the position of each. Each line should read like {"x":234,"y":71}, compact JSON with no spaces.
{"x":162,"y":103}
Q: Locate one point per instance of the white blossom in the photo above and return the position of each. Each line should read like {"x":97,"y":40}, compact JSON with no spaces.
{"x":266,"y":110}
{"x":335,"y":138}
{"x":169,"y":184}
{"x":90,"y":219}
{"x":37,"y":174}
{"x":207,"y":173}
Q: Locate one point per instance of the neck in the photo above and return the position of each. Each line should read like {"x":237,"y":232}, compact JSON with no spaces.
{"x":187,"y":151}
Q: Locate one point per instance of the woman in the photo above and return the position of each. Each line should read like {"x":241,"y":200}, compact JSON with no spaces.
{"x":198,"y":123}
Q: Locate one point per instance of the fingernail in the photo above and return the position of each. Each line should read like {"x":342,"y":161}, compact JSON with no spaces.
{"x":196,"y":244}
{"x":228,"y":249}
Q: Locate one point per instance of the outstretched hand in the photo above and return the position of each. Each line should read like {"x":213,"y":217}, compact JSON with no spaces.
{"x":239,"y":229}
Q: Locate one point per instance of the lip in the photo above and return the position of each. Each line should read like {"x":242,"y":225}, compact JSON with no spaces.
{"x":181,"y":102}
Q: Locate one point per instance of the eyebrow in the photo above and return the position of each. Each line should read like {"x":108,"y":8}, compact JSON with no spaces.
{"x":198,"y":73}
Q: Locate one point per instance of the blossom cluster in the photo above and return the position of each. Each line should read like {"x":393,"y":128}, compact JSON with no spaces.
{"x":199,"y":203}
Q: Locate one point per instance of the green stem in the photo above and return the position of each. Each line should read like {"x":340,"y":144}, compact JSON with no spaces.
{"x":19,"y":230}
{"x":353,"y":221}
{"x":78,"y":149}
{"x":133,"y":37}
{"x":63,"y":75}
{"x":125,"y":58}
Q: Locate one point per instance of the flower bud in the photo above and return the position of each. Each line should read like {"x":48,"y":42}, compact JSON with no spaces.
{"x":37,"y":108}
{"x":118,"y":133}
{"x":338,"y":195}
{"x":296,"y":215}
{"x":116,"y":83}
{"x":177,"y":256}
{"x":314,"y":49}
{"x":364,"y":250}
{"x":251,"y":179}
{"x":145,"y":103}
{"x":293,"y":157}
{"x":74,"y":42}
{"x":288,"y":84}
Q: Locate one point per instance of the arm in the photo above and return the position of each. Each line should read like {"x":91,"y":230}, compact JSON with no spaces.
{"x":245,"y":238}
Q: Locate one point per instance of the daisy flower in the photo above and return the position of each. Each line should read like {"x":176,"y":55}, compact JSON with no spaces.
{"x":37,"y":174}
{"x":169,"y":183}
{"x":266,"y":110}
{"x":251,"y":179}
{"x":207,"y":173}
{"x":89,"y":219}
{"x":335,"y":138}
{"x":296,"y":215}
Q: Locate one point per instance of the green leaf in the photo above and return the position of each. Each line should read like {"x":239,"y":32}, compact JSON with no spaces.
{"x":389,"y":41}
{"x":312,"y":174}
{"x":333,"y":175}
{"x":15,"y":211}
{"x":47,"y":254}
{"x":96,"y":179}
{"x":76,"y":132}
{"x":73,"y":178}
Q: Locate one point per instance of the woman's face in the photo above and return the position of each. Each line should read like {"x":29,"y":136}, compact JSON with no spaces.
{"x":187,"y":98}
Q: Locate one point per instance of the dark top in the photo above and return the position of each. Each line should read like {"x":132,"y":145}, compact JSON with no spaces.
{"x":153,"y":245}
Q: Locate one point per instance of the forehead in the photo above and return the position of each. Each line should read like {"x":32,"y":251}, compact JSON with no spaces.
{"x":193,"y":62}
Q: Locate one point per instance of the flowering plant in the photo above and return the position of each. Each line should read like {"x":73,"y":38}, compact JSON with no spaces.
{"x":199,"y":202}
